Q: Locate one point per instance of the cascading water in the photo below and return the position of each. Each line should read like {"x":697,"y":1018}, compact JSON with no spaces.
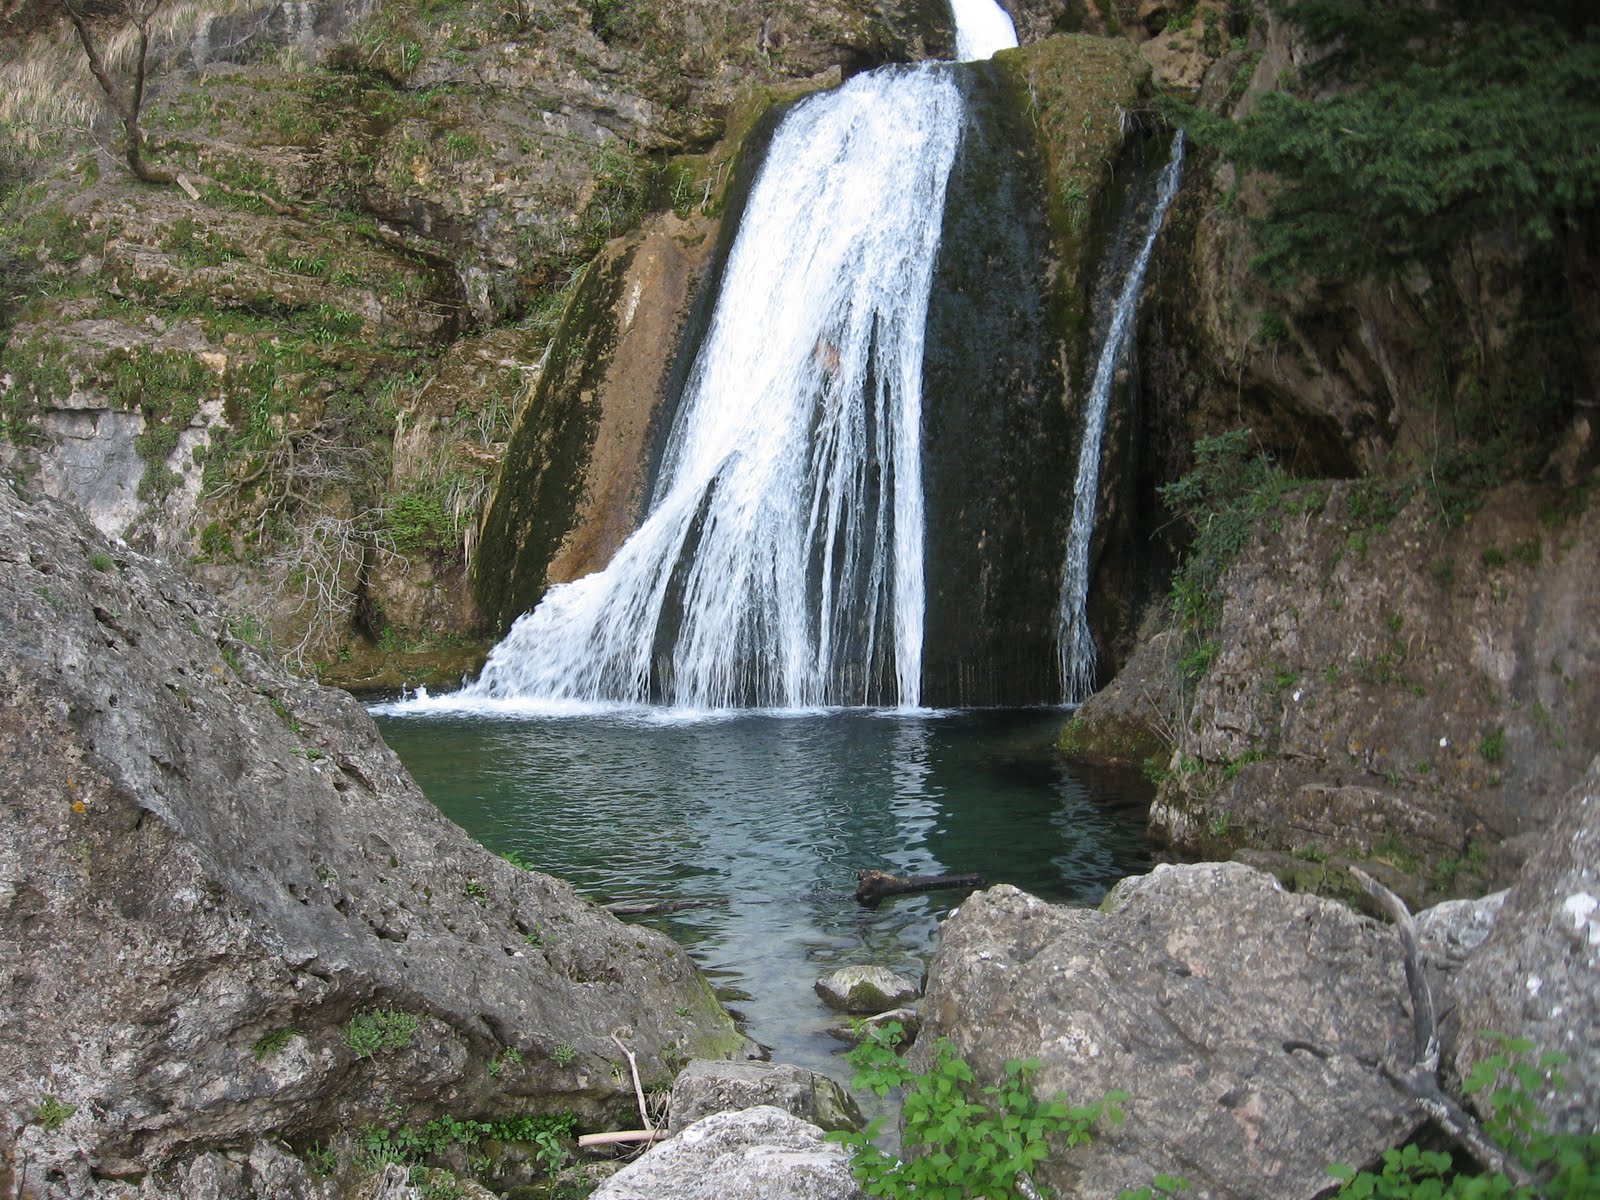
{"x":781,"y":560}
{"x":982,"y":29}
{"x":1076,"y":642}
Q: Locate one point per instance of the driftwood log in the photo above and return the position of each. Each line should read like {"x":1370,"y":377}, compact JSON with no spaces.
{"x":873,"y":886}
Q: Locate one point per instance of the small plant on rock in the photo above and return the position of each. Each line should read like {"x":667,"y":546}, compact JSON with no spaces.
{"x":273,"y":1044}
{"x":52,"y":1114}
{"x":377,"y":1029}
{"x":1554,"y":1166}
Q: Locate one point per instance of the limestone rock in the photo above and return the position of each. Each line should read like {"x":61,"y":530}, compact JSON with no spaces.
{"x":708,"y":1086}
{"x":1246,"y":1023}
{"x":1366,"y":707}
{"x":227,"y":913}
{"x":762,"y":1153}
{"x":865,"y":990}
{"x":1537,"y":975}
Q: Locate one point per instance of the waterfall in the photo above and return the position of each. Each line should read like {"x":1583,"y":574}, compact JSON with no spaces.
{"x":982,"y":29}
{"x":781,"y":560}
{"x":780,"y":563}
{"x":1076,"y":643}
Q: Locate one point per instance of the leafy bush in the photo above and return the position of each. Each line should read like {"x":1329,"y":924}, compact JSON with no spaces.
{"x":964,"y":1140}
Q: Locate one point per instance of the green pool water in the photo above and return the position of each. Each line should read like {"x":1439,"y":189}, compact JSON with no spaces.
{"x":771,"y":815}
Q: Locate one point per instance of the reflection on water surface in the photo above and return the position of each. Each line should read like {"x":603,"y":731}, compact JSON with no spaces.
{"x":774,"y":813}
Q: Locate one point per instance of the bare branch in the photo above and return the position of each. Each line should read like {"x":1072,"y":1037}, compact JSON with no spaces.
{"x":1421,"y":1082}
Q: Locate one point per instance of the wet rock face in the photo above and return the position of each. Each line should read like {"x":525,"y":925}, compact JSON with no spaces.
{"x":1246,"y":1023}
{"x":227,"y":913}
{"x":1537,"y":976}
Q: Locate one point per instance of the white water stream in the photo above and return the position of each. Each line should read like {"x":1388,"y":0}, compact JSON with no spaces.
{"x":1076,"y":641}
{"x":781,"y":560}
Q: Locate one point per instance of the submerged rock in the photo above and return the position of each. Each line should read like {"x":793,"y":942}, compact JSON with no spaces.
{"x":865,"y":990}
{"x":1248,"y":1026}
{"x":762,"y":1153}
{"x":708,"y":1086}
{"x":228,"y":914}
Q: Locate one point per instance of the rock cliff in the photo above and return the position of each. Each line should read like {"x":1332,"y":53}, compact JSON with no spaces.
{"x":229,"y":920}
{"x":298,"y":368}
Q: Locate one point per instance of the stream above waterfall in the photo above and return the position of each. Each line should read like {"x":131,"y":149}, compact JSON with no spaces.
{"x":770,"y":815}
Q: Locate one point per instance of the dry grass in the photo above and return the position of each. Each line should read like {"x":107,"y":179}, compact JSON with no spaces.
{"x":46,"y":91}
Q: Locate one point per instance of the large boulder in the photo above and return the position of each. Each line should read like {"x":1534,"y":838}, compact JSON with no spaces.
{"x":227,"y":913}
{"x":1537,"y":976}
{"x":708,"y":1086}
{"x":1247,"y":1025}
{"x":761,"y":1153}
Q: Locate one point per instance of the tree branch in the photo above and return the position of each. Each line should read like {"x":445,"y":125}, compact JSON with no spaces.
{"x":1421,"y":1082}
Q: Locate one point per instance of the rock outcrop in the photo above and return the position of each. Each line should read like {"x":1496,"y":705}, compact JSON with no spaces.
{"x":261,"y":370}
{"x":1247,"y":1024}
{"x":865,"y":990}
{"x":1537,"y":976}
{"x":229,"y":918}
{"x":761,"y":1153}
{"x":1390,"y":690}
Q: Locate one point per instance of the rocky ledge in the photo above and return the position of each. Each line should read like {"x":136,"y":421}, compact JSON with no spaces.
{"x":232,"y":927}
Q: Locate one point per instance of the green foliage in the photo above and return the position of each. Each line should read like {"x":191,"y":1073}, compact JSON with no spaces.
{"x":1446,"y":872}
{"x":100,"y":561}
{"x":510,"y":1056}
{"x":1493,"y":746}
{"x":1566,"y":1165}
{"x":563,"y":1055}
{"x":273,"y":1043}
{"x":620,"y":187}
{"x":216,"y":543}
{"x":1220,"y":499}
{"x":377,"y":1029}
{"x":1456,"y":126}
{"x":548,"y":1134}
{"x":963,"y":1140}
{"x":418,"y":521}
{"x":51,"y":1113}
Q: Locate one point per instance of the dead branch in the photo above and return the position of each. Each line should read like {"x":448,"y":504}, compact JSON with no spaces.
{"x":1421,"y":1081}
{"x":622,"y":1135}
{"x":638,"y":1088}
{"x":126,"y":104}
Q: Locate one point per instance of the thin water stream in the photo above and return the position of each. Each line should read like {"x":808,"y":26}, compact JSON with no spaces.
{"x":770,"y":815}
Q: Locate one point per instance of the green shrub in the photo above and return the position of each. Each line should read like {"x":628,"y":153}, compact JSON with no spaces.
{"x":963,"y":1140}
{"x":1220,"y":499}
